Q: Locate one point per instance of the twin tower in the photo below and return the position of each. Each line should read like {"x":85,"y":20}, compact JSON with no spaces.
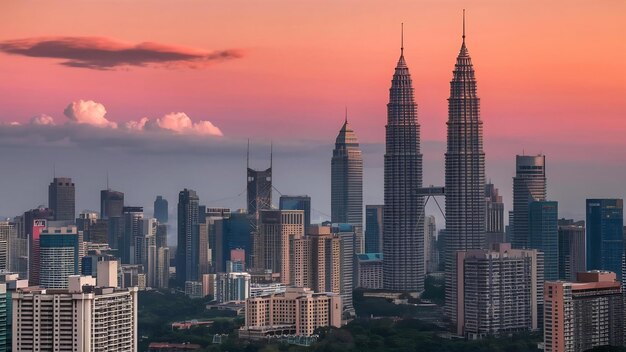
{"x":403,"y":219}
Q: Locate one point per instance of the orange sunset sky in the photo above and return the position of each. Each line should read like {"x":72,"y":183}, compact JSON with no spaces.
{"x":551,"y":74}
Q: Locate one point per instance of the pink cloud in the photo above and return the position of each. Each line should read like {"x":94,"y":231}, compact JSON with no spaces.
{"x":105,"y":53}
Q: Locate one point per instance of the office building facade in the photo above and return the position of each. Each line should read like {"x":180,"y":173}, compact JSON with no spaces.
{"x":347,"y":181}
{"x":544,"y":235}
{"x":571,"y":249}
{"x":271,"y":244}
{"x":297,"y":203}
{"x":605,"y":235}
{"x":529,"y":184}
{"x":187,"y":254}
{"x":374,"y":228}
{"x":62,"y":199}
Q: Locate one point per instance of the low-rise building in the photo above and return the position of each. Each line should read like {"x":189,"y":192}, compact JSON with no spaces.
{"x":298,"y":311}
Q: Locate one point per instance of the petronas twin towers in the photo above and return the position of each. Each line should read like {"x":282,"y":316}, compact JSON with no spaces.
{"x":403,"y":229}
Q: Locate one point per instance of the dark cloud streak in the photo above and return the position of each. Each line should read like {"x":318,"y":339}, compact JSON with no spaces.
{"x":101,"y":53}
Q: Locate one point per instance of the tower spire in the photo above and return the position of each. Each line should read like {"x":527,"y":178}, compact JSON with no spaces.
{"x":346,"y":119}
{"x":248,"y":155}
{"x":271,"y":153}
{"x":402,"y":38}
{"x":463,"y":26}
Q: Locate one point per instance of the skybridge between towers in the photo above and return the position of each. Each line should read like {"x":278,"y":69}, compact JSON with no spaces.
{"x":432,"y":192}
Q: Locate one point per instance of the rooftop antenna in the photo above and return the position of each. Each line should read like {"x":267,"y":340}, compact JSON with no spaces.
{"x":464,"y":26}
{"x":346,"y":114}
{"x":271,"y":153}
{"x":402,"y":38}
{"x":108,"y":188}
{"x":54,"y":170}
{"x":248,"y":155}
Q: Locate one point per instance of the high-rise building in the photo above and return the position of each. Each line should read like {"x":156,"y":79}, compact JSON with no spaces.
{"x":233,"y":286}
{"x":431,"y":255}
{"x":163,"y":267}
{"x":403,"y":228}
{"x":529,"y":184}
{"x":374,"y":228}
{"x":297,"y":203}
{"x":605,"y":235}
{"x":271,"y":244}
{"x":161,"y":235}
{"x":228,"y":231}
{"x":161,"y":210}
{"x":347,"y":181}
{"x":12,"y":283}
{"x":347,"y":233}
{"x":62,"y":199}
{"x":7,"y":232}
{"x":316,"y":260}
{"x":500,"y":291}
{"x":465,"y":172}
{"x":584,"y":314}
{"x":77,"y":319}
{"x":34,"y":249}
{"x":259,"y":189}
{"x":111,"y":204}
{"x":85,"y":222}
{"x":187,"y":254}
{"x":58,"y":256}
{"x":323,"y":261}
{"x":204,"y":250}
{"x":298,"y":311}
{"x":494,"y":215}
{"x":571,"y":249}
{"x":369,"y":267}
{"x":132,"y":230}
{"x":543,"y":235}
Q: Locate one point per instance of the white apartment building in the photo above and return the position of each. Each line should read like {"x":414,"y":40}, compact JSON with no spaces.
{"x":82,"y":318}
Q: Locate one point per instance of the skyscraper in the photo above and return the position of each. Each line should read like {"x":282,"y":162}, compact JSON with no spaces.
{"x":133,"y":229}
{"x":605,"y":235}
{"x":544,"y":235}
{"x":374,"y":228}
{"x":58,"y":256}
{"x":161,"y":212}
{"x":465,"y":171}
{"x":111,"y":204}
{"x":403,"y":226}
{"x":297,"y":203}
{"x":259,"y":189}
{"x":62,"y":199}
{"x":529,"y":184}
{"x":571,"y":249}
{"x":187,"y":255}
{"x":347,"y":181}
{"x":494,"y":215}
{"x":272,"y":241}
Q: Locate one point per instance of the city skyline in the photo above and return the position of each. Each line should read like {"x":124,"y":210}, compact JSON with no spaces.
{"x":563,"y":145}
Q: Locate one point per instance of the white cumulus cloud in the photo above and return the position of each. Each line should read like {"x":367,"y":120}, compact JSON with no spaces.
{"x":42,"y":120}
{"x":180,"y":123}
{"x":88,"y":112}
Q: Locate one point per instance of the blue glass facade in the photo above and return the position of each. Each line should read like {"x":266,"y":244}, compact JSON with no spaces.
{"x":605,"y":241}
{"x":544,"y":234}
